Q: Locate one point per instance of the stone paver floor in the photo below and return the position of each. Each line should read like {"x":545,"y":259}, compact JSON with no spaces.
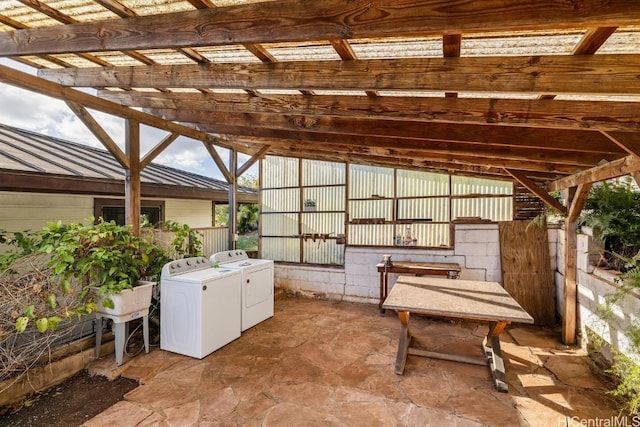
{"x":324,"y":363}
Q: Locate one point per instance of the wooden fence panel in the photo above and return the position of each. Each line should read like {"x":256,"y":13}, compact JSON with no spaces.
{"x":526,"y":269}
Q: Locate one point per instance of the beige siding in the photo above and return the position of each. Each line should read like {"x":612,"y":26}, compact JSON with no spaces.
{"x":194,"y":213}
{"x":32,"y":211}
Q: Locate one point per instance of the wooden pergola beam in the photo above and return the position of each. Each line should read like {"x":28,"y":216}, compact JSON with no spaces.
{"x":624,"y":166}
{"x":97,"y":130}
{"x":552,"y":145}
{"x":159,"y":148}
{"x":26,"y":81}
{"x":579,"y":115}
{"x":583,"y":74}
{"x":299,"y":20}
{"x":257,"y":156}
{"x":543,"y":195}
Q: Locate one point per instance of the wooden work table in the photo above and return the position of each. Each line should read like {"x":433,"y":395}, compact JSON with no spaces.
{"x":449,"y":269}
{"x":460,"y":299}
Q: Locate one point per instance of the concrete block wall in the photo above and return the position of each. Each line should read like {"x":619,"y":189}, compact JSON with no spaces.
{"x":593,"y":285}
{"x":476,"y":249}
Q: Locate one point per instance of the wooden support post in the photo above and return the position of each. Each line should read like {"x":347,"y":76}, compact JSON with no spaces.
{"x":570,"y":284}
{"x":233,"y":198}
{"x":132,"y":176}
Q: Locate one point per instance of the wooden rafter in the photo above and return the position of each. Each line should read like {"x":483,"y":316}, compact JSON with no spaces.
{"x":548,"y":142}
{"x":299,"y":20}
{"x":451,"y":44}
{"x":97,"y":130}
{"x":247,"y":165}
{"x":535,"y":189}
{"x":582,"y":115}
{"x":592,"y":40}
{"x":219,"y":163}
{"x":26,"y":81}
{"x":629,"y":143}
{"x":555,"y":74}
{"x":159,"y":148}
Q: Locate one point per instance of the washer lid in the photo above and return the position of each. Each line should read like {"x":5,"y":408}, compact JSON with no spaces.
{"x":204,"y":275}
{"x":249,"y":264}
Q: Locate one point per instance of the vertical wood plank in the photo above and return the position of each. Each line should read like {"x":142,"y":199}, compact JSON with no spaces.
{"x":526,"y":269}
{"x":132,"y":176}
{"x":570,"y":285}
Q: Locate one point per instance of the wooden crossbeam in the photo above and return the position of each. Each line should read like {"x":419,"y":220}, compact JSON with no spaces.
{"x":624,"y":166}
{"x":300,"y":20}
{"x":586,"y":74}
{"x":543,"y":195}
{"x":581,"y":115}
{"x":578,"y":147}
{"x":26,"y":81}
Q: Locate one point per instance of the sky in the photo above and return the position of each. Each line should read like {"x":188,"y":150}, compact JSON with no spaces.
{"x":38,"y":113}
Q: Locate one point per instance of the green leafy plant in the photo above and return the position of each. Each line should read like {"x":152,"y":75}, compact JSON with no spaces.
{"x":309,"y":203}
{"x":103,"y":255}
{"x":624,"y":369}
{"x":186,"y":242}
{"x":612,"y":211}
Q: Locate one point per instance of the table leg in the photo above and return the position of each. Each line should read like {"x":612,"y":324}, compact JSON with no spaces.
{"x":384,"y":290}
{"x":403,"y":343}
{"x":493,"y":352}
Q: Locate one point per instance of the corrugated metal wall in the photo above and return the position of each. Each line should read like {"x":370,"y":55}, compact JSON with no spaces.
{"x":214,"y":239}
{"x":377,"y":205}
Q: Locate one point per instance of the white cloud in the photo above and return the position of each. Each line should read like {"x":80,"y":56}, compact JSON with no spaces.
{"x":38,"y":113}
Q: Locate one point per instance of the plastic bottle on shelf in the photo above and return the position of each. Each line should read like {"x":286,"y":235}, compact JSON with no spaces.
{"x":407,"y":237}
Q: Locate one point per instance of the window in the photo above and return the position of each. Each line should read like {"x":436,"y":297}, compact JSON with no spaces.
{"x":113,"y":210}
{"x":310,"y":208}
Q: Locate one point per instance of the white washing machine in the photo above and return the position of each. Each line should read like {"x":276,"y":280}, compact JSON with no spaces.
{"x":199,"y":307}
{"x":257,"y":284}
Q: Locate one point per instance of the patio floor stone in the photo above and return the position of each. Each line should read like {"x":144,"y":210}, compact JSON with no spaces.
{"x":328,"y":363}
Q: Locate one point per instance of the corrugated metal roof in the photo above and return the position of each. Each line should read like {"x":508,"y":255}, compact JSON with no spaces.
{"x":26,"y":151}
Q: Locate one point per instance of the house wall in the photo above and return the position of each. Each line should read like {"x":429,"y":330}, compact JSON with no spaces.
{"x":31,"y":211}
{"x":593,"y":285}
{"x":477,"y":250}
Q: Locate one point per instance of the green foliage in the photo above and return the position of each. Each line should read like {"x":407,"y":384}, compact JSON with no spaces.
{"x":249,"y":181}
{"x":103,"y":255}
{"x":187,"y":242}
{"x":221,"y":215}
{"x":247,"y":218}
{"x":248,"y":242}
{"x":612,"y":211}
{"x":20,"y":244}
{"x":624,"y":369}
